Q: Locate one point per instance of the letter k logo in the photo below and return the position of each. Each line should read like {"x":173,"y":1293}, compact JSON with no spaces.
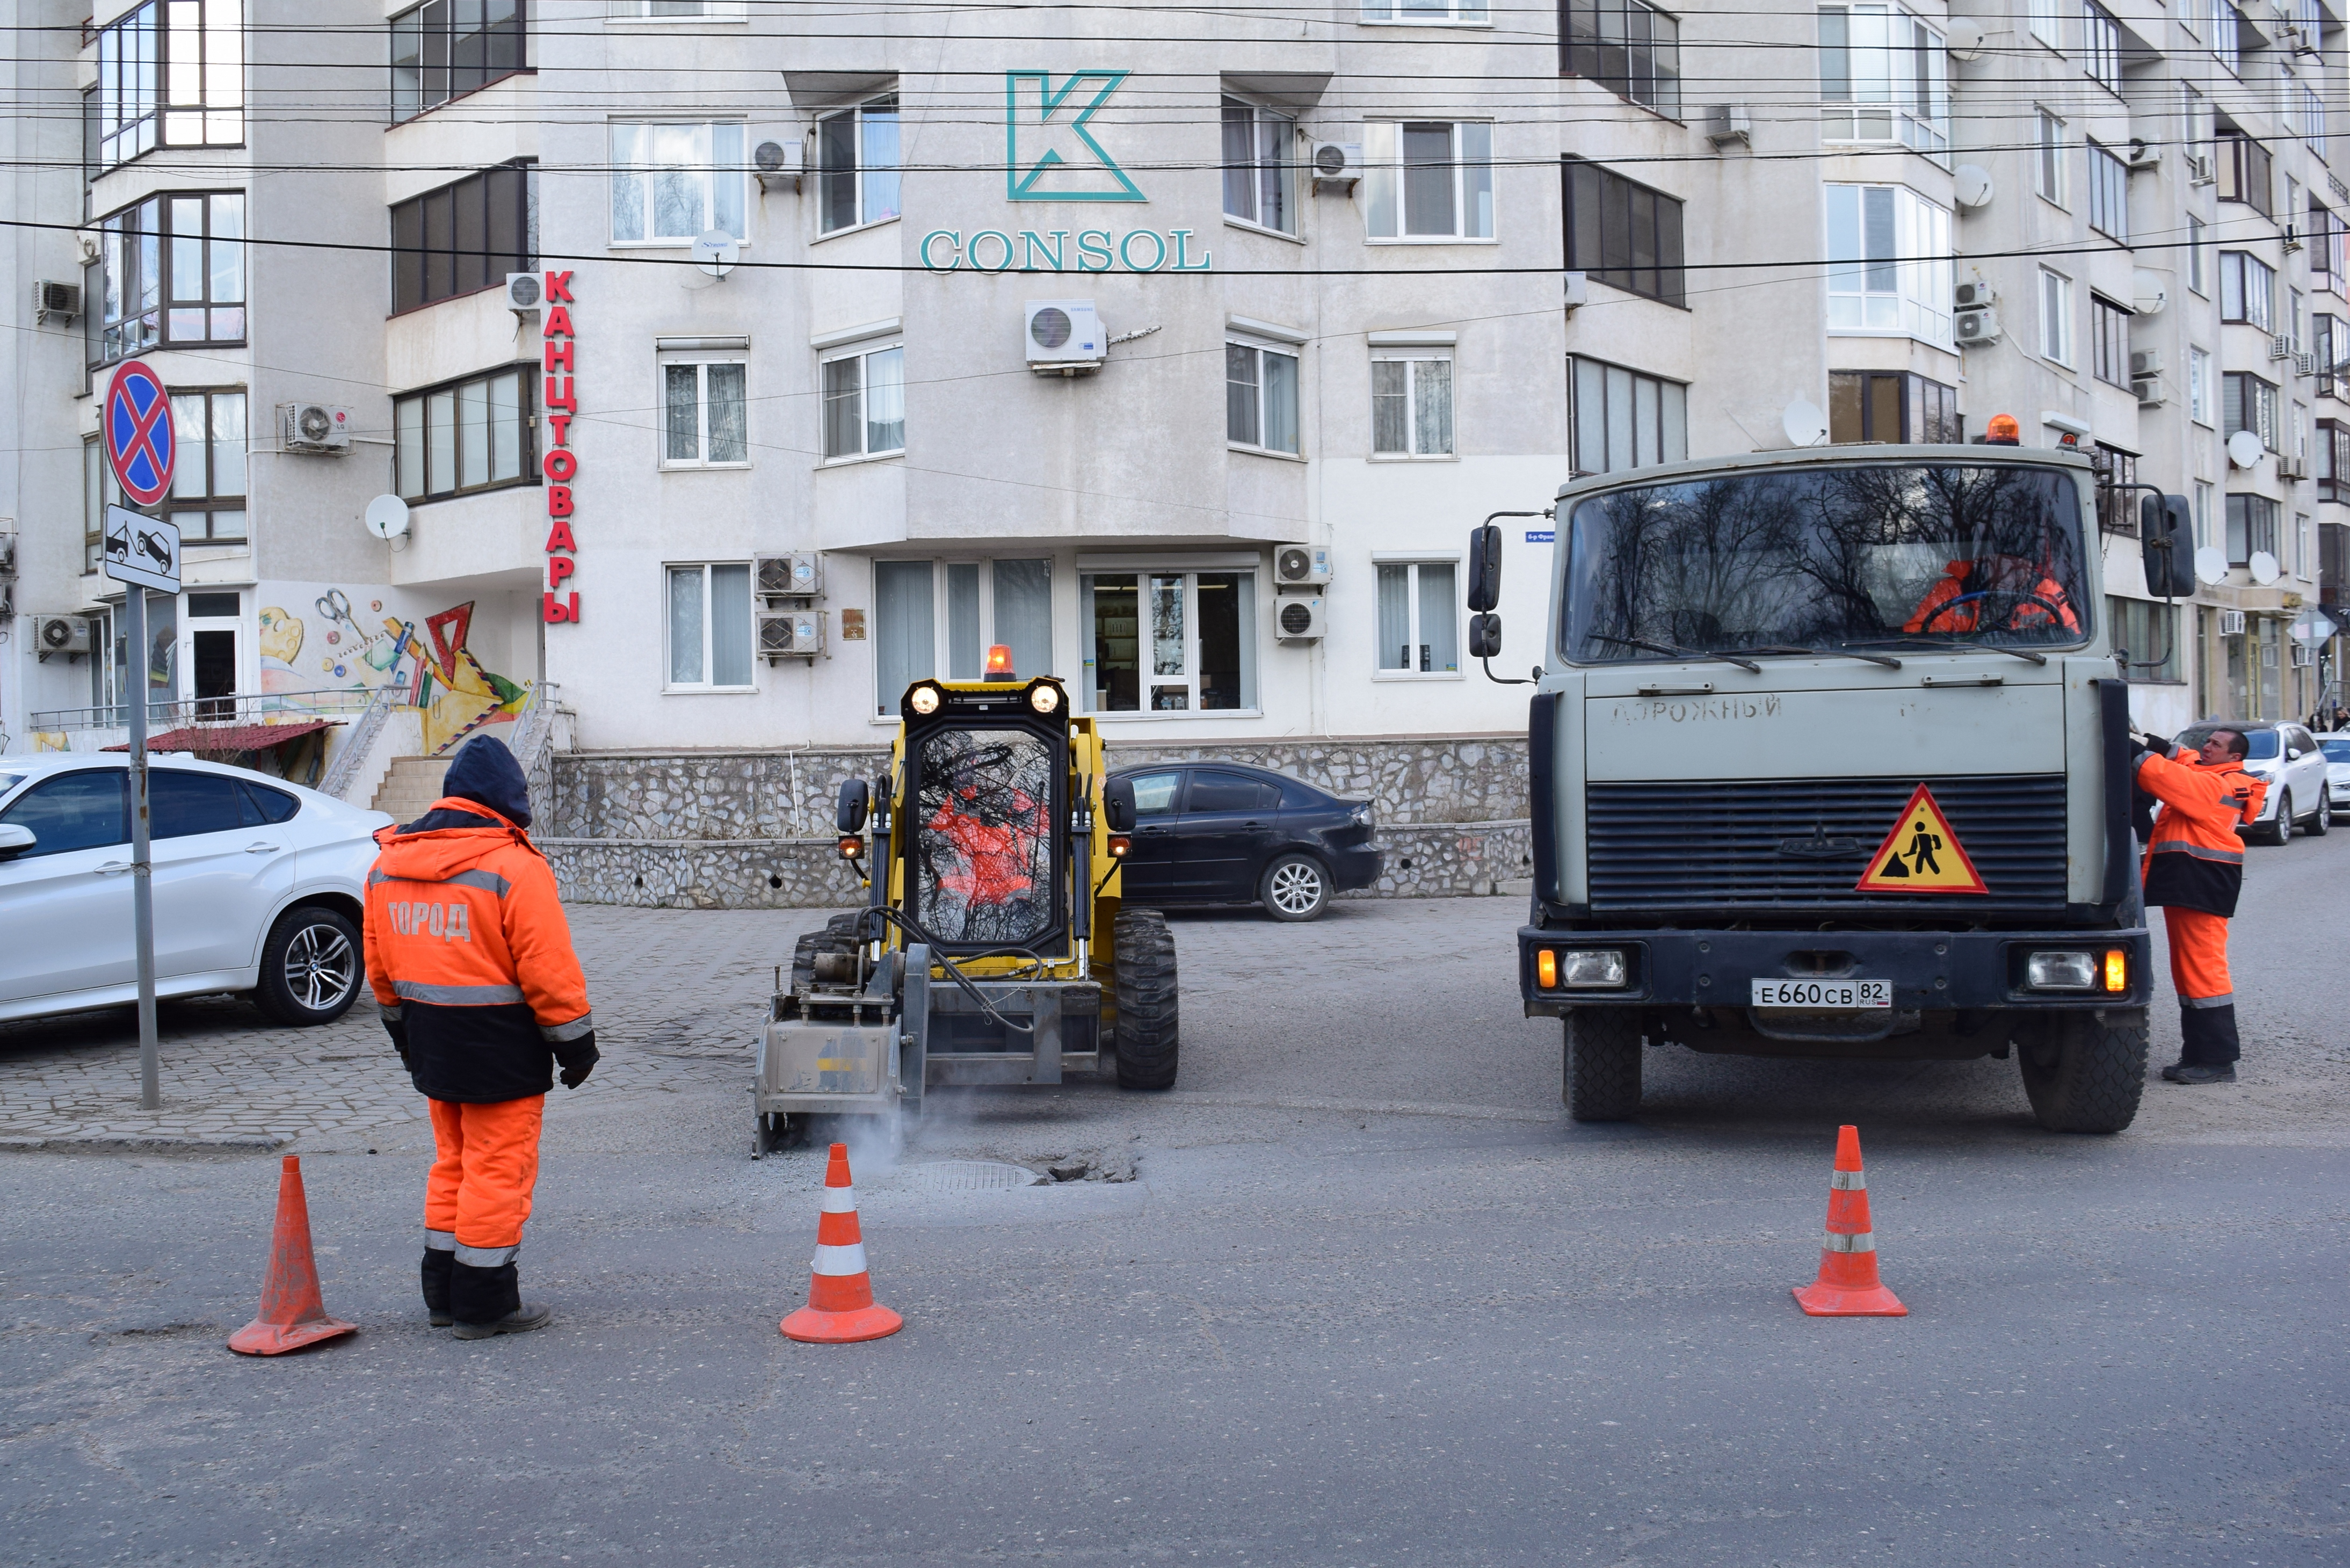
{"x":1054,"y":119}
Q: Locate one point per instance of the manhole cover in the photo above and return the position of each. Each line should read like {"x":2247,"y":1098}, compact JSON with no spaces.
{"x":970,"y":1176}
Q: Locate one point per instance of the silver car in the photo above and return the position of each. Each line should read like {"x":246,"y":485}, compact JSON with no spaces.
{"x":2337,"y":768}
{"x":2287,"y":755}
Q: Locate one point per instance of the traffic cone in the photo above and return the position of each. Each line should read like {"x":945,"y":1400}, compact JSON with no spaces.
{"x":293,"y":1314}
{"x":840,"y":1309}
{"x":1847,"y":1286}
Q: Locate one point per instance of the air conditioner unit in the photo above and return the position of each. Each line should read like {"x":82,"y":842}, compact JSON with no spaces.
{"x":2144,"y":362}
{"x":1298,"y":619}
{"x":1338,"y":164}
{"x":1729,"y":123}
{"x":2231,"y":623}
{"x":2291,"y":467}
{"x":1977,"y":328}
{"x":2199,"y":169}
{"x":2280,"y":347}
{"x":793,"y":634}
{"x":798,"y":577}
{"x":313,"y":427}
{"x":2150,"y":391}
{"x":1301,"y":567}
{"x":2292,"y":238}
{"x":7,"y":554}
{"x":59,"y":299}
{"x":2305,"y":364}
{"x":2143,"y":154}
{"x":773,"y":162}
{"x":526,"y":292}
{"x":1063,"y":335}
{"x":1975,"y":297}
{"x":66,"y":633}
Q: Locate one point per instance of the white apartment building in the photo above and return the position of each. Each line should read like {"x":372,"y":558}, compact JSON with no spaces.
{"x":1329,"y":253}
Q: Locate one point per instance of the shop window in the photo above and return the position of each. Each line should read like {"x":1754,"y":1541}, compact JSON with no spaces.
{"x":938,"y":619}
{"x":1170,"y":641}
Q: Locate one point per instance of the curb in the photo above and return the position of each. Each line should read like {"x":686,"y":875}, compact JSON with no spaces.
{"x":138,"y":1143}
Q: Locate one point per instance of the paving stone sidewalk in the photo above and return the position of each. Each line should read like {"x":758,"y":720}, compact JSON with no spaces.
{"x":676,"y":994}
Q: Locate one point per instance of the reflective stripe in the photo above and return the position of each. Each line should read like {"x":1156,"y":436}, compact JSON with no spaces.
{"x":2220,"y":857}
{"x":849,"y":1260}
{"x":838,"y":1201}
{"x":489,"y":881}
{"x":1848,"y":1181}
{"x":439,"y":1240}
{"x":457,"y":996}
{"x":2227,"y":1001}
{"x":374,"y":876}
{"x":1864,"y":1243}
{"x":488,"y":1257}
{"x":556,"y":1033}
{"x":388,"y":1010}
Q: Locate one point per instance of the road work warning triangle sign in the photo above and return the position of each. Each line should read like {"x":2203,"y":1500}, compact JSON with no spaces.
{"x":1921,"y":855}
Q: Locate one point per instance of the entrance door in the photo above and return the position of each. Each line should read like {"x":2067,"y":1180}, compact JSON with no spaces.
{"x":212,"y":654}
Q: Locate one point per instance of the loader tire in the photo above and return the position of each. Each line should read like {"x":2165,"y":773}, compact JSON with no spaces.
{"x":1603,"y":1064}
{"x":1145,"y":1033}
{"x":2083,"y":1075}
{"x":839,"y":936}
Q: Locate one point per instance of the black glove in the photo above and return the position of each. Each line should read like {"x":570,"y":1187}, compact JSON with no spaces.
{"x":2157,"y":744}
{"x":579,"y":1058}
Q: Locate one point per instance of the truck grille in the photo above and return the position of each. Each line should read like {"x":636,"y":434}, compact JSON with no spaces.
{"x":1710,"y":844}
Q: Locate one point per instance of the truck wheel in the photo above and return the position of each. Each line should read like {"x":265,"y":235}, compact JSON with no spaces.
{"x":2083,"y":1076}
{"x":1145,"y":1033}
{"x":839,"y":936}
{"x":1603,"y":1064}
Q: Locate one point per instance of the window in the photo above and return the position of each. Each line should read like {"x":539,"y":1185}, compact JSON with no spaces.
{"x":2296,"y":315}
{"x":2313,"y":121}
{"x":2202,"y":512}
{"x":2198,"y":276}
{"x":2333,"y":461}
{"x":2199,"y":386}
{"x":1625,"y":420}
{"x":702,"y":407}
{"x":1170,"y":641}
{"x":465,"y":236}
{"x":447,"y":48}
{"x":1261,"y":396}
{"x":90,"y":809}
{"x":2247,"y":403}
{"x":2109,"y":195}
{"x":865,"y":403}
{"x":2115,"y":472}
{"x":1890,"y":406}
{"x":2109,"y":351}
{"x":2048,"y":22}
{"x":2247,"y":290}
{"x":2056,"y":316}
{"x":1260,"y":174}
{"x":1871,"y":288}
{"x":677,"y":10}
{"x":2303,"y":563}
{"x":2227,"y":46}
{"x":2048,"y":170}
{"x":940,"y":617}
{"x":1424,"y":13}
{"x":1631,"y":49}
{"x":710,"y":646}
{"x":2244,"y":171}
{"x":99,"y":490}
{"x":1420,"y":623}
{"x":167,"y":77}
{"x":170,"y":270}
{"x":2325,"y":246}
{"x":1427,"y":180}
{"x":1411,"y":404}
{"x":2251,"y":528}
{"x":2101,"y":47}
{"x":672,"y":182}
{"x":2326,"y":343}
{"x":857,"y":164}
{"x":1884,"y":77}
{"x":469,"y":435}
{"x":1624,"y":233}
{"x":2146,"y":635}
{"x":207,"y":502}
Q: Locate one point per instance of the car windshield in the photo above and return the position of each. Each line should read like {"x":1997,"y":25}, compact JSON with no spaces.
{"x":1872,"y":554}
{"x":2335,"y":751}
{"x":2264,"y":743}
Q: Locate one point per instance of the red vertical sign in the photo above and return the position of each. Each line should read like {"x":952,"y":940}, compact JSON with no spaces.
{"x":558,"y":464}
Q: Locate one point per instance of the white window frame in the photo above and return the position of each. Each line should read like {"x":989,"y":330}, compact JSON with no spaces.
{"x":2312,"y":123}
{"x":861,"y":351}
{"x":1259,"y":349}
{"x":2304,"y":556}
{"x":2056,"y":318}
{"x":669,"y":684}
{"x":2101,"y":47}
{"x":866,"y":216}
{"x":1191,"y":571}
{"x":1414,"y":356}
{"x":2048,"y":157}
{"x":637,"y":13}
{"x":2047,"y":23}
{"x":2200,"y":398}
{"x":2108,"y":195}
{"x":1919,"y":304}
{"x":700,"y":363}
{"x":1398,"y":13}
{"x":1473,"y":180}
{"x":2199,"y":261}
{"x":1882,"y":98}
{"x":719,"y":170}
{"x":1411,"y":565}
{"x":942,"y":616}
{"x":1263,"y":121}
{"x":2203,"y":492}
{"x":2226,"y":40}
{"x":2244,"y":265}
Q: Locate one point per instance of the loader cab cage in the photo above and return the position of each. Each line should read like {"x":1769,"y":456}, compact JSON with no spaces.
{"x":985,"y":816}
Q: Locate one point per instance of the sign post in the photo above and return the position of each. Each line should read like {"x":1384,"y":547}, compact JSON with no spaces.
{"x":141,"y":552}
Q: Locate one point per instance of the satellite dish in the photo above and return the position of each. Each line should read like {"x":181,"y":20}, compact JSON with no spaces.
{"x":1964,"y":39}
{"x":1970,"y":185}
{"x":714,"y":251}
{"x":2245,"y":448}
{"x":2265,"y":569}
{"x":387,"y":518}
{"x":2211,"y":564}
{"x":2149,"y":291}
{"x":1803,"y":422}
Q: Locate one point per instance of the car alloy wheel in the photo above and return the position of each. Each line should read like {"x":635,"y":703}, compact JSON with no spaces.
{"x":321,"y":968}
{"x":1296,"y":890}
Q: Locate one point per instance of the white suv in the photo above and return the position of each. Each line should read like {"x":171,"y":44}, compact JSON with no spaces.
{"x":2285,"y":754}
{"x":258,"y":886}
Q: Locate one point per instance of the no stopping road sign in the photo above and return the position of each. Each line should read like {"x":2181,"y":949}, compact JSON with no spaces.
{"x":140,"y":441}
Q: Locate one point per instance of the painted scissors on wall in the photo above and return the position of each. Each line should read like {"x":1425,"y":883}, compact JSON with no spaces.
{"x":336,"y":608}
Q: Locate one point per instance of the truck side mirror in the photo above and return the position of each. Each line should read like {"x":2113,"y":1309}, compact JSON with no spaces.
{"x":1484,"y":568}
{"x":1118,"y":804}
{"x":1485,"y":635}
{"x":856,"y":800}
{"x":2165,"y":535}
{"x":16,"y":840}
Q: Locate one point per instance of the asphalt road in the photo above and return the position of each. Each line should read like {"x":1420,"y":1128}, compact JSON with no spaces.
{"x":1368,"y":1300}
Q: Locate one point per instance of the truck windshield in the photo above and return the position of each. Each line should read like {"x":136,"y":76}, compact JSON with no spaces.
{"x":1876,"y":555}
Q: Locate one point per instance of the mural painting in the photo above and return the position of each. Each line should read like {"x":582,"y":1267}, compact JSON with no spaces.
{"x":425,"y":657}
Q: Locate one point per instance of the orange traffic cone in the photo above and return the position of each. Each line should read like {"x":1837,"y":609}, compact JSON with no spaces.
{"x":840,"y":1309}
{"x":293,"y":1314}
{"x":1847,"y":1286}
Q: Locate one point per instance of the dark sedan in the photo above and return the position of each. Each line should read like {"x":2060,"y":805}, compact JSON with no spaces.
{"x":1225,"y":833}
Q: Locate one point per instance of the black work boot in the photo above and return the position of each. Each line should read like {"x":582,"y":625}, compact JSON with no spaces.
{"x":437,"y":1266}
{"x":2209,"y":1045}
{"x":488,"y":1302}
{"x":2200,"y":1071}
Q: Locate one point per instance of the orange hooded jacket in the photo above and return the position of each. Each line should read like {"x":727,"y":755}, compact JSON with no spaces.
{"x":2195,"y":861}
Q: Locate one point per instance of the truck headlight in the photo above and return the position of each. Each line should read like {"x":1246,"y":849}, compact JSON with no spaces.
{"x":2061,"y":972}
{"x":1592,"y":969}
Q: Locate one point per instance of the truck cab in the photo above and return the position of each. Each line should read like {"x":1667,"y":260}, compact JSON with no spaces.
{"x":1830,"y":757}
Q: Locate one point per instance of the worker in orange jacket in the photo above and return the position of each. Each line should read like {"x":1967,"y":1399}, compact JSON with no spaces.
{"x":2195,"y":870}
{"x":2004,"y":590}
{"x":471,"y":960}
